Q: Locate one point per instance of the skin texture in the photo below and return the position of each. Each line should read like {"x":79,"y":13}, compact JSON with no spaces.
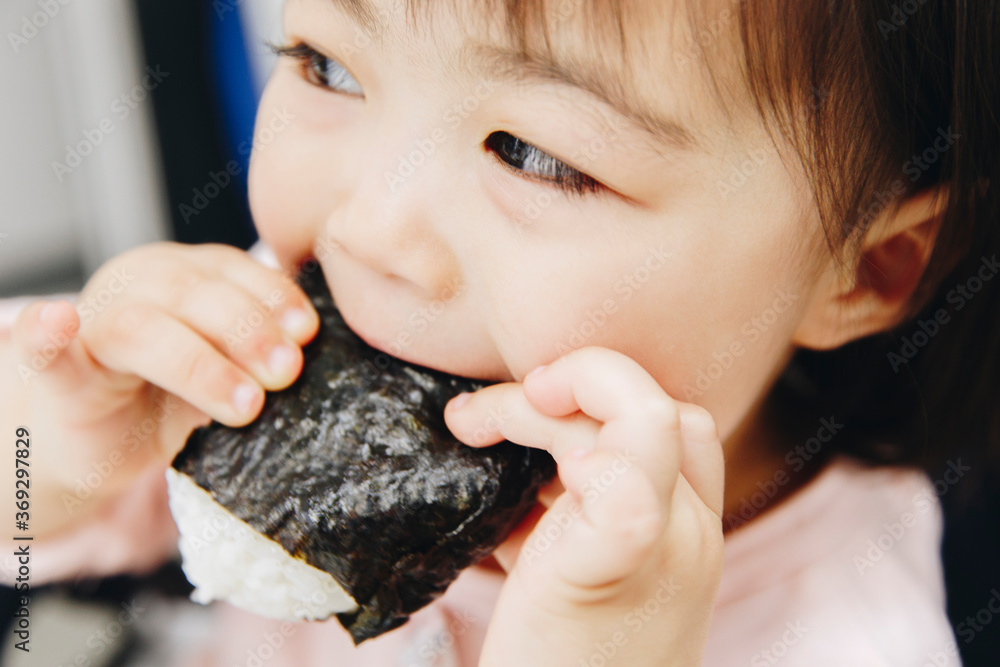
{"x":665,"y":258}
{"x":630,"y":295}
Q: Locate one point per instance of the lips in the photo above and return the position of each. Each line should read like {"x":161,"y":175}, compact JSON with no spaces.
{"x":389,"y":315}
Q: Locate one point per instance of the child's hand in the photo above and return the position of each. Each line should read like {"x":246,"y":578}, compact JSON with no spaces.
{"x":625,"y":563}
{"x":162,"y":338}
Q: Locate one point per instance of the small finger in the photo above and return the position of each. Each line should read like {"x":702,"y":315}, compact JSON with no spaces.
{"x":607,"y":524}
{"x":44,"y":336}
{"x":638,"y":416}
{"x":185,"y":364}
{"x":602,"y":383}
{"x":292,"y":309}
{"x":501,"y":412}
{"x":703,"y":464}
{"x":234,"y":322}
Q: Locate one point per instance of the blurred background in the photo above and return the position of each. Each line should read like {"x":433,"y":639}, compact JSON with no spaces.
{"x":115,"y":116}
{"x":119,"y":119}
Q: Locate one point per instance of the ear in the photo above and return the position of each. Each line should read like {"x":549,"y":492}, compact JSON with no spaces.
{"x":872,"y":295}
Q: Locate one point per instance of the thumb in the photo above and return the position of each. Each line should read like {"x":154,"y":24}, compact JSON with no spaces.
{"x":45,"y":340}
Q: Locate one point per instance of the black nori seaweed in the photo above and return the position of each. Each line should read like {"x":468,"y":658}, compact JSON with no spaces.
{"x":353,"y":470}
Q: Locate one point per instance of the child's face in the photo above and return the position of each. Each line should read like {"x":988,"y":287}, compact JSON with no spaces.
{"x":696,"y":255}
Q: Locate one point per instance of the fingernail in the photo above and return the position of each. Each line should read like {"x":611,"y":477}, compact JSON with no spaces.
{"x":295,"y":322}
{"x":537,"y":371}
{"x":244,"y":396}
{"x":460,"y":400}
{"x":281,"y":359}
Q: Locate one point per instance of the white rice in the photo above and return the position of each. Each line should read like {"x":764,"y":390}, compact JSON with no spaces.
{"x":226,"y":559}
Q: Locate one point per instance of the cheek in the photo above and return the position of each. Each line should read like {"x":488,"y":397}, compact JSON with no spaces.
{"x":545,"y":307}
{"x":718,"y":348}
{"x":711,"y":319}
{"x":286,"y":186}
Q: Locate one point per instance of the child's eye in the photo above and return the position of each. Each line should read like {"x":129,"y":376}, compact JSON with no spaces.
{"x":536,"y":164}
{"x":320,"y":70}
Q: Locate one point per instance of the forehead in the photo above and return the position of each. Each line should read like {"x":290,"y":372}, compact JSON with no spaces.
{"x":670,"y":67}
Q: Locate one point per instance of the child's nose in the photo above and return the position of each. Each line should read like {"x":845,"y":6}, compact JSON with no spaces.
{"x":396,"y":221}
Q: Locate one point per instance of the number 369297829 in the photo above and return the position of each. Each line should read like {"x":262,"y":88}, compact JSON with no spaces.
{"x":23,"y":474}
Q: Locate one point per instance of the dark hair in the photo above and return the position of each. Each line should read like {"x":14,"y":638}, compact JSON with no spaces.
{"x":880,"y":99}
{"x":908,"y":101}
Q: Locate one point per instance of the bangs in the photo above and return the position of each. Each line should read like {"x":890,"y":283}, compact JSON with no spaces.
{"x":631,"y":48}
{"x":612,"y":28}
{"x":808,"y":73}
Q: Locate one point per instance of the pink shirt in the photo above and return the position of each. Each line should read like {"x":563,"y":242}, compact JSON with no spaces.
{"x":844,"y":573}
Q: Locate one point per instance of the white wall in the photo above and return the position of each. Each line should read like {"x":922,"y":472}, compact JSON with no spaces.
{"x":62,"y":83}
{"x":262,"y":23}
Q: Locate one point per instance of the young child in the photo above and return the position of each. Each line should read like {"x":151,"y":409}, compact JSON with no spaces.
{"x":632,"y":216}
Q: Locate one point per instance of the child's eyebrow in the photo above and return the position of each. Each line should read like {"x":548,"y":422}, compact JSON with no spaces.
{"x":513,"y":66}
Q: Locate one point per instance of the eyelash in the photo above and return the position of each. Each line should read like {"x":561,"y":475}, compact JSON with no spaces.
{"x":513,"y":153}
{"x":311,"y":62}
{"x":516,"y":155}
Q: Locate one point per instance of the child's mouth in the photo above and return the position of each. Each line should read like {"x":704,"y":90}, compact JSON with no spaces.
{"x":364,"y":319}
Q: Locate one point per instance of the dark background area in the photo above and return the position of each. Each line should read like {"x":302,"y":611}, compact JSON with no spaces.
{"x":191,"y":118}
